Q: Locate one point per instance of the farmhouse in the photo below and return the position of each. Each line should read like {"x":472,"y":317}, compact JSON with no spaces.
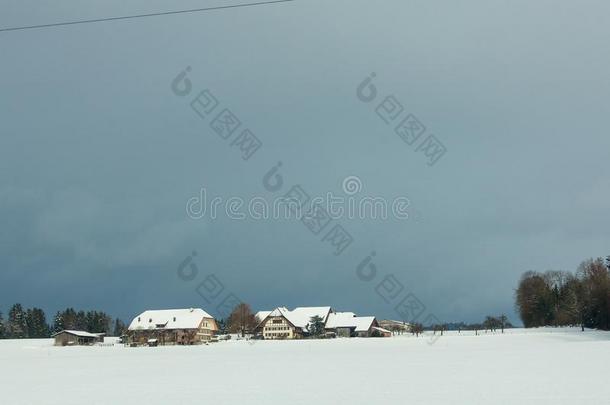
{"x":77,"y":338}
{"x":284,"y":324}
{"x":395,"y":326}
{"x":172,"y":327}
{"x":347,"y":324}
{"x":261,"y":315}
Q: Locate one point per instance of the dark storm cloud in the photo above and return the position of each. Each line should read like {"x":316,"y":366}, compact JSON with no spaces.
{"x":98,"y":157}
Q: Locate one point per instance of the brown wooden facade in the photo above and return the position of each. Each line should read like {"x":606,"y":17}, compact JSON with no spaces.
{"x":278,"y":328}
{"x":76,"y":338}
{"x":163,"y":337}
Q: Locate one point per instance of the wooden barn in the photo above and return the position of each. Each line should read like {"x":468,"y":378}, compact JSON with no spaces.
{"x":171,"y":327}
{"x":347,"y":324}
{"x":77,"y":338}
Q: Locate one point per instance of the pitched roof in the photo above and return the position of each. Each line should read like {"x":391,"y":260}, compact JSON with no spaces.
{"x":79,"y":333}
{"x":380,"y":329}
{"x":261,"y":315}
{"x":363,"y":323}
{"x":169,"y":319}
{"x":349,"y":320}
{"x":300,"y":317}
{"x":341,"y":320}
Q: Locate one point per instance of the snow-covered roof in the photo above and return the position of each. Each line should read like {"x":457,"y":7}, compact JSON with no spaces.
{"x":169,"y":319}
{"x":392,"y":322}
{"x":261,"y":315}
{"x":349,"y":320}
{"x":341,"y":320}
{"x":79,"y":333}
{"x":300,"y":317}
{"x":363,"y":323}
{"x":381,"y":329}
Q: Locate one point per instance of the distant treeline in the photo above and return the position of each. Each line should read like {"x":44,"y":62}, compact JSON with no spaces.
{"x":490,"y":322}
{"x":24,"y":323}
{"x":560,"y":298}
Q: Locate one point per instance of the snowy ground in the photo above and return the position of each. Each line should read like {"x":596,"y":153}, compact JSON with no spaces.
{"x":547,"y":366}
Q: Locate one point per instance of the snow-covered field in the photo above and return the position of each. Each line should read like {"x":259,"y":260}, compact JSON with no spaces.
{"x":546,"y":366}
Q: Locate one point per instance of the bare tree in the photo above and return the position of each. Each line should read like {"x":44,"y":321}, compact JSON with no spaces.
{"x":241,"y":320}
{"x":503,"y":320}
{"x":534,"y":300}
{"x":595,"y":293}
{"x":560,"y":298}
{"x":416,"y":328}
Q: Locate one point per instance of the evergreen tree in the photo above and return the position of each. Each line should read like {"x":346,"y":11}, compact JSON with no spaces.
{"x":222,"y":326}
{"x":80,"y":321}
{"x":36,"y":322}
{"x":119,"y":327}
{"x":69,"y":319}
{"x":17,"y":328}
{"x":90,"y":321}
{"x":58,"y":322}
{"x":316,"y":326}
{"x":2,"y":327}
{"x":98,"y":322}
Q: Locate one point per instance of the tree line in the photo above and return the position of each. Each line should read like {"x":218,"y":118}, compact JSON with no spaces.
{"x":561,"y":298}
{"x":22,"y":323}
{"x":490,"y":323}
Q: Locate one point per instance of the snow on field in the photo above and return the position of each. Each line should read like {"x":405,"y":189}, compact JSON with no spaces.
{"x":545,"y":366}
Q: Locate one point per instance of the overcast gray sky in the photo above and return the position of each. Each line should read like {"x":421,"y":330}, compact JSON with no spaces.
{"x":98,"y":156}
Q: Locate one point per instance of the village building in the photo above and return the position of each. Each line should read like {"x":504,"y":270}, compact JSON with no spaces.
{"x":77,"y":338}
{"x":261,"y":315}
{"x":347,"y":324}
{"x":284,"y":324}
{"x":395,"y":326}
{"x":172,"y":327}
{"x":381,"y":332}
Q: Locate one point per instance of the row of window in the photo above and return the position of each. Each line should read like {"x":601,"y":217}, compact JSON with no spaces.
{"x":276,"y":335}
{"x":277,"y":328}
{"x":150,"y":319}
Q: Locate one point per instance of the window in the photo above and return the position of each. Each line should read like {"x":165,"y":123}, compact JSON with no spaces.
{"x":277,"y":321}
{"x":174,"y":319}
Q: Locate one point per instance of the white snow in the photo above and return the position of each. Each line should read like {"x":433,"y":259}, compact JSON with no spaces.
{"x":261,"y":315}
{"x":300,"y":316}
{"x":340,"y":320}
{"x":381,"y":329}
{"x":169,"y":319}
{"x":349,"y":320}
{"x":542,"y":366}
{"x":79,"y":333}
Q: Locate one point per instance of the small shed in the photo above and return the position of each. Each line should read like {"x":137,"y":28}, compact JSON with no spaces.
{"x":381,"y":332}
{"x":77,"y":338}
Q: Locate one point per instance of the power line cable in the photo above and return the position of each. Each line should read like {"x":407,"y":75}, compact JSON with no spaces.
{"x":128,"y":17}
